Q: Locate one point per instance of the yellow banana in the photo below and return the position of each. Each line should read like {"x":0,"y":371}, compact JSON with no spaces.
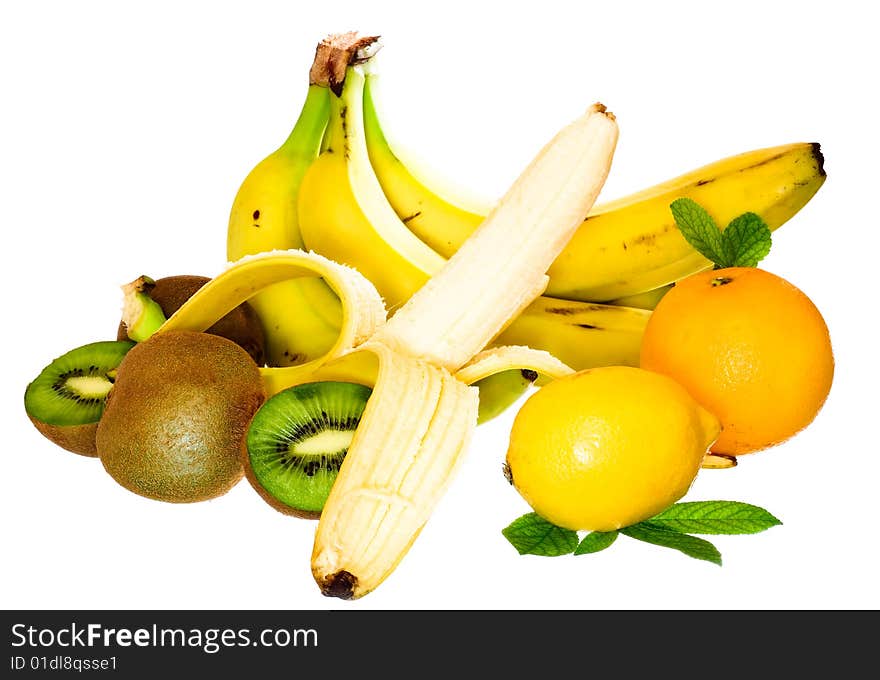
{"x":263,"y":213}
{"x":628,"y":246}
{"x":444,"y":223}
{"x":344,"y":215}
{"x":646,"y":300}
{"x":581,"y":334}
{"x":300,"y":317}
{"x":642,"y":248}
{"x":264,"y":218}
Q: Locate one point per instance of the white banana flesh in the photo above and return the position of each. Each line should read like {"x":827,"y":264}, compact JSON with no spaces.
{"x":505,"y":260}
{"x":411,"y":439}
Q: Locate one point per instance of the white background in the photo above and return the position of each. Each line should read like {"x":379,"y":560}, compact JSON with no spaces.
{"x":127,"y":128}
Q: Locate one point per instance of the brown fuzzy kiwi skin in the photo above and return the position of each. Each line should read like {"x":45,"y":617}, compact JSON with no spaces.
{"x":283,"y":508}
{"x":76,"y":438}
{"x":177,"y":414}
{"x":241,"y":325}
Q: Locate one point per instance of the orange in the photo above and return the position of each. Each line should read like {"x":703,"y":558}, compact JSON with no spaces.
{"x":750,"y":347}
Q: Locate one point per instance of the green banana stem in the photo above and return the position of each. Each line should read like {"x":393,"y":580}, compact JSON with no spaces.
{"x":304,"y":139}
{"x":333,"y":57}
{"x":335,"y":135}
{"x":141,"y":314}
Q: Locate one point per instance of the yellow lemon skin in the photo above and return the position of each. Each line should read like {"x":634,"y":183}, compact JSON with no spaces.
{"x":608,"y":447}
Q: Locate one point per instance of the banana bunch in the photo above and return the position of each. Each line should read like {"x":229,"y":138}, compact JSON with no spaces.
{"x":337,"y":187}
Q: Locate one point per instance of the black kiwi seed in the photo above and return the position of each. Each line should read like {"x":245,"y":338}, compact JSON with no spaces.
{"x":297,"y":441}
{"x":66,"y":400}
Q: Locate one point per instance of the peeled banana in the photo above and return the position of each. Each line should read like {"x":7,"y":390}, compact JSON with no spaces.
{"x":411,"y":439}
{"x":422,"y":411}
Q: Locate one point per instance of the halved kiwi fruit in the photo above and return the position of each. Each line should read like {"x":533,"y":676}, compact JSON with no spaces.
{"x":241,"y":325}
{"x":66,"y":400}
{"x":297,"y":441}
{"x":176,"y":418}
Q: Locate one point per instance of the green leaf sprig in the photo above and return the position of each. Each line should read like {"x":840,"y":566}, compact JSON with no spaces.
{"x":531,"y":534}
{"x":745,"y":242}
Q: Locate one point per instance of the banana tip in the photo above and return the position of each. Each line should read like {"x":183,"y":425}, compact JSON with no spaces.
{"x":341,"y":585}
{"x":599,"y":107}
{"x":820,"y":159}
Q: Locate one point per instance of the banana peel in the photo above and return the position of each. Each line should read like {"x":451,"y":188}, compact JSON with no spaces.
{"x":437,"y":431}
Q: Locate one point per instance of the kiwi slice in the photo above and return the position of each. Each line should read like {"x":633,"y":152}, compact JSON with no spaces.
{"x":297,"y":441}
{"x":241,"y":325}
{"x":66,"y":400}
{"x":176,"y":419}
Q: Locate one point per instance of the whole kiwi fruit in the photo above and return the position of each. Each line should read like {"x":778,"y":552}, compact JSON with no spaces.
{"x":174,"y":422}
{"x":241,"y":325}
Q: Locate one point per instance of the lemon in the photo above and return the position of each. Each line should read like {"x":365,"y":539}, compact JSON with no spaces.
{"x":608,"y":447}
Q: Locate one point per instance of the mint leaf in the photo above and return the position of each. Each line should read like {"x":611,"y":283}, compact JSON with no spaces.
{"x":715,"y":517}
{"x":689,"y":545}
{"x":699,"y":229}
{"x":744,"y":243}
{"x":595,"y":541}
{"x":531,"y":534}
{"x":746,"y":240}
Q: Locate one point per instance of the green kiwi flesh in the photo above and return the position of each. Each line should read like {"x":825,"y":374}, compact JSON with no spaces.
{"x":177,"y":416}
{"x":66,"y":400}
{"x":241,"y":325}
{"x":297,"y":441}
